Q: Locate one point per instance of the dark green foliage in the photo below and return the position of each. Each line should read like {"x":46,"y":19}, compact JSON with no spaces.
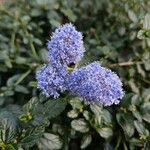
{"x":116,"y":33}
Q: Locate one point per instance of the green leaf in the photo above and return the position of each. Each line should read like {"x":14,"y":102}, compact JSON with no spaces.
{"x":54,"y":23}
{"x":108,"y":146}
{"x":54,"y":107}
{"x":126,"y":101}
{"x":137,"y":115}
{"x":146,"y":95}
{"x":16,"y":110}
{"x":69,"y":13}
{"x":136,"y":142}
{"x":139,"y":127}
{"x":86,"y":140}
{"x":76,"y":103}
{"x":136,"y":100}
{"x":21,"y":89}
{"x":96,"y":109}
{"x":144,"y":34}
{"x":11,"y":81}
{"x":126,"y":122}
{"x":31,"y":136}
{"x":132,"y":16}
{"x":133,"y":86}
{"x":8,"y":63}
{"x":80,"y":125}
{"x":35,"y":112}
{"x":146,"y":22}
{"x":106,"y":116}
{"x":8,"y":125}
{"x":11,"y":147}
{"x":33,"y":84}
{"x":57,"y":128}
{"x":141,"y":71}
{"x":9,"y":92}
{"x":50,"y":142}
{"x":2,"y":99}
{"x":145,"y":109}
{"x":105,"y":132}
{"x":31,"y":104}
{"x":37,"y":41}
{"x":21,"y":60}
{"x":43,"y":54}
{"x":87,"y":115}
{"x":72,"y":114}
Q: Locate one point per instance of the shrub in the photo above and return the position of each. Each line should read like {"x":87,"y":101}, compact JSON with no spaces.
{"x":29,"y":120}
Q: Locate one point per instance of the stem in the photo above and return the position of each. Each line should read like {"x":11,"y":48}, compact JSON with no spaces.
{"x":13,"y":39}
{"x":33,"y":49}
{"x":129,"y":63}
{"x":30,"y":40}
{"x":118,"y":143}
{"x":65,"y":144}
{"x":125,"y":146}
{"x":22,"y":77}
{"x":66,"y":139}
{"x":146,"y":81}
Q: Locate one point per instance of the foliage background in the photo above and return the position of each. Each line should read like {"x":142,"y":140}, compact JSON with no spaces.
{"x":110,"y":27}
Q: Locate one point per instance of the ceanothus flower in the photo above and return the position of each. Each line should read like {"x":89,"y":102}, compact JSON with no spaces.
{"x":65,"y":46}
{"x":51,"y":80}
{"x":96,"y":84}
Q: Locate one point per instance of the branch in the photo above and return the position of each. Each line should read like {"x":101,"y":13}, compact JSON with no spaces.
{"x":129,"y":63}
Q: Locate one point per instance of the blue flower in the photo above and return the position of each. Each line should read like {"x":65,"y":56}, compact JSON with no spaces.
{"x":65,"y":46}
{"x":51,"y":80}
{"x":96,"y":84}
{"x":92,"y":83}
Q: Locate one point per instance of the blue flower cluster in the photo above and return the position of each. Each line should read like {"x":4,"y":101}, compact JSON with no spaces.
{"x":65,"y":46}
{"x":93,"y":83}
{"x":96,"y":84}
{"x":51,"y":81}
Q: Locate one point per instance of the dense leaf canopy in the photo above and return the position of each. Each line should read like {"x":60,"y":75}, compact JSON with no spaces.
{"x":116,"y":33}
